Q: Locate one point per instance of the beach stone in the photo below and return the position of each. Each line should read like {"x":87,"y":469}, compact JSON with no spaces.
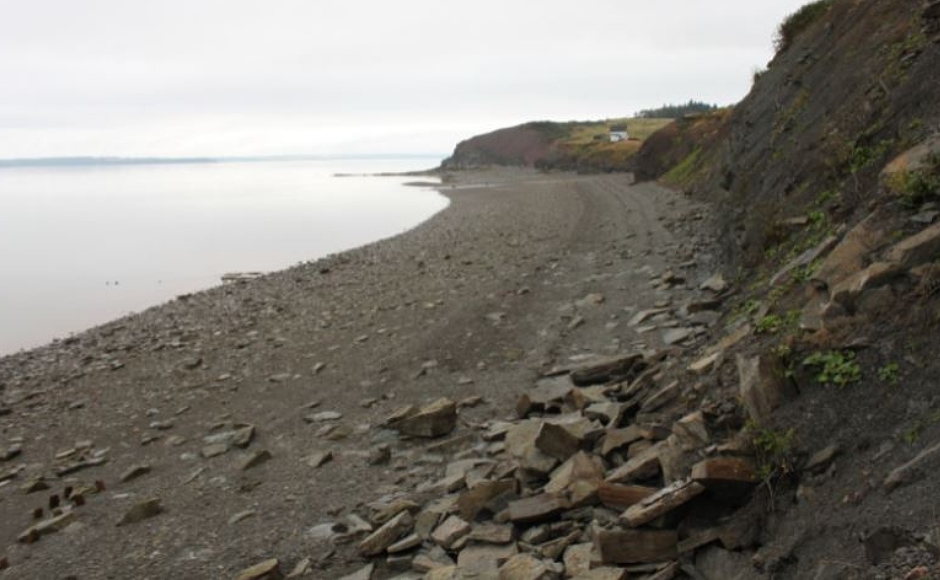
{"x":214,"y":450}
{"x":141,"y":511}
{"x":661,"y":502}
{"x":677,"y":335}
{"x":536,"y":509}
{"x":241,"y":516}
{"x":12,"y":452}
{"x":477,"y":561}
{"x":763,"y":386}
{"x":380,"y":454}
{"x":405,"y":544}
{"x":621,"y":497}
{"x":577,"y":559}
{"x":611,"y":573}
{"x":642,"y":466}
{"x":525,"y":567}
{"x":267,"y":570}
{"x":450,"y":531}
{"x":255,"y":459}
{"x":492,"y":533}
{"x":323,"y":416}
{"x":433,"y":420}
{"x":581,"y":468}
{"x":715,"y":284}
{"x":475,"y":499}
{"x":46,"y":527}
{"x":636,"y":546}
{"x":135,"y":472}
{"x":388,"y":534}
{"x":604,"y":370}
{"x":361,"y":574}
{"x":243,"y":436}
{"x":520,"y":444}
{"x":319,"y":458}
{"x":554,"y":440}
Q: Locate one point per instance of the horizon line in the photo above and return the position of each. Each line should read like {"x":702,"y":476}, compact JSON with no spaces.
{"x":87,"y":160}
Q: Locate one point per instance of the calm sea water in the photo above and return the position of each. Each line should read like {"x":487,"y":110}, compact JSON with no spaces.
{"x":83,"y":245}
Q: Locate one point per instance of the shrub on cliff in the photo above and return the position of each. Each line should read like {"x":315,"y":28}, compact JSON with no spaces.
{"x":799,"y":21}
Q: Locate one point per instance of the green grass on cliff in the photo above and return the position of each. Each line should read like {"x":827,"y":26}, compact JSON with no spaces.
{"x":586,"y":146}
{"x":585,"y":133}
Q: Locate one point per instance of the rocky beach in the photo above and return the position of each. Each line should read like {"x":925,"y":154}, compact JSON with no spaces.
{"x":250,"y":422}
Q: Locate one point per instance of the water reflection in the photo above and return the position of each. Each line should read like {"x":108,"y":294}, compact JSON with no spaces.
{"x":80,"y":246}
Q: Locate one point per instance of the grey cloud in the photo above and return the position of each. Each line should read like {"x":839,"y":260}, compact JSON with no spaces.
{"x":129,"y":77}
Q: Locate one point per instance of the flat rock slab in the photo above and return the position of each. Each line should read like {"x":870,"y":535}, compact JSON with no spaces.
{"x":603,"y":573}
{"x":538,"y":508}
{"x":267,"y":570}
{"x":642,"y":466}
{"x":677,"y":335}
{"x":434,"y":420}
{"x":388,"y":534}
{"x":141,"y":511}
{"x":474,"y":500}
{"x":717,"y":470}
{"x":491,"y":533}
{"x":662,"y":502}
{"x":644,"y":315}
{"x":450,"y":531}
{"x":135,"y":472}
{"x":323,"y":417}
{"x":361,"y":574}
{"x":618,"y":438}
{"x":636,"y":546}
{"x":255,"y":459}
{"x":46,"y":527}
{"x":620,"y":497}
{"x":319,"y":458}
{"x":580,"y":467}
{"x":764,"y":386}
{"x":556,"y":441}
{"x":484,"y":561}
{"x":606,"y":369}
{"x":524,"y":567}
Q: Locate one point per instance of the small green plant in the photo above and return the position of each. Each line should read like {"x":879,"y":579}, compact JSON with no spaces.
{"x":864,"y":156}
{"x":805,"y":273}
{"x":776,"y":451}
{"x":799,"y":21}
{"x":889,"y":373}
{"x":774,"y":323}
{"x":916,"y":187}
{"x":826,"y":196}
{"x":817,"y":217}
{"x":913,"y":434}
{"x":837,"y":367}
{"x":769,"y":324}
{"x":783,"y":351}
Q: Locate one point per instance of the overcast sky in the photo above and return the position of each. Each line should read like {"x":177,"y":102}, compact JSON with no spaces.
{"x":239,"y":77}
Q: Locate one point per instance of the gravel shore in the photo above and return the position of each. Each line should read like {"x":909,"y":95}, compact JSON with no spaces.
{"x":522,"y":272}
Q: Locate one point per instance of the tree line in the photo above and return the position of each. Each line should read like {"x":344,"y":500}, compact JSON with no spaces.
{"x":676,"y":111}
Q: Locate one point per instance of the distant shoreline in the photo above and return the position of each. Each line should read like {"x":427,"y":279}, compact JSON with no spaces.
{"x":89,"y":161}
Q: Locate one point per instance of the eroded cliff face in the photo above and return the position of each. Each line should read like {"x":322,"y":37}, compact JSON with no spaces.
{"x":523,"y":146}
{"x":852,"y":90}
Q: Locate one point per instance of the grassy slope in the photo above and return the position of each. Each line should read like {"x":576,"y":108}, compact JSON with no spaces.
{"x":585,"y":146}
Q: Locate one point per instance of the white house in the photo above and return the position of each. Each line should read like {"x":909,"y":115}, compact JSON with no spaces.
{"x":618,"y":135}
